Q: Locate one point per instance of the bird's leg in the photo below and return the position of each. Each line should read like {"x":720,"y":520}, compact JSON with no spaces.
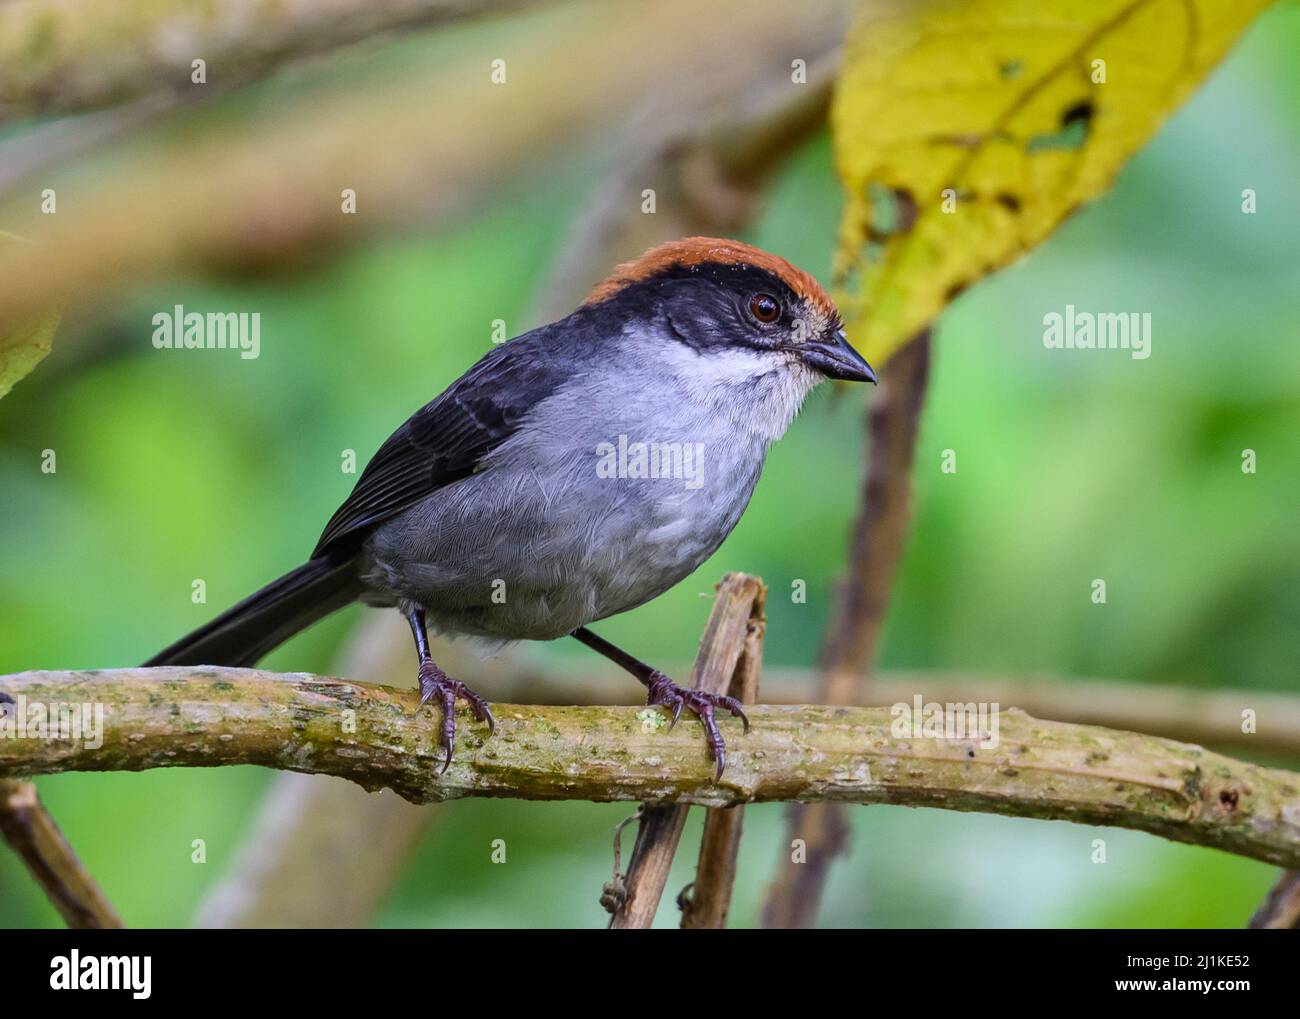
{"x":436,"y":683}
{"x":664,"y":691}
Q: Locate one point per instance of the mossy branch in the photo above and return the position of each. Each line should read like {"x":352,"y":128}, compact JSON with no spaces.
{"x":207,"y":717}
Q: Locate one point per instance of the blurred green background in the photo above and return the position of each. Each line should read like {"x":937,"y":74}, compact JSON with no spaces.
{"x":1071,"y":466}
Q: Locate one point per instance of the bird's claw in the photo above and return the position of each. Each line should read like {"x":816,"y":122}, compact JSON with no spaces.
{"x":664,"y":692}
{"x":436,"y":683}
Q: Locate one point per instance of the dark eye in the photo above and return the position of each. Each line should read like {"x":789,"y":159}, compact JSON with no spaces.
{"x":765,"y":307}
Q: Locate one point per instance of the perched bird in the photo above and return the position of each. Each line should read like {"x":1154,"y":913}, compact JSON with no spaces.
{"x":573,"y":473}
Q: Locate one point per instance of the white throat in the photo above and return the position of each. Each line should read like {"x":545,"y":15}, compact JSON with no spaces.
{"x":758,"y":391}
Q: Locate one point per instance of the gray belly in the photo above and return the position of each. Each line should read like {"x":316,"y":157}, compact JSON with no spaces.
{"x":544,"y":540}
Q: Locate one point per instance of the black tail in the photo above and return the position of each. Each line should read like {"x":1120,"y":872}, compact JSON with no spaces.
{"x":267,"y":618}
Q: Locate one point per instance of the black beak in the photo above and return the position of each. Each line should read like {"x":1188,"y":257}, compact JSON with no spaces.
{"x":837,"y":360}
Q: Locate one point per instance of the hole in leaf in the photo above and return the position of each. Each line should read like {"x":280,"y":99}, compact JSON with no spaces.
{"x":1076,"y":121}
{"x":893,"y":211}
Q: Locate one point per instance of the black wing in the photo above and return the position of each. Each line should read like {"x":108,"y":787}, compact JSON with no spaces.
{"x":445,"y":440}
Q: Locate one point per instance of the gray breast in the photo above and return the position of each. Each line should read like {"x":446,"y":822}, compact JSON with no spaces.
{"x":570,"y":520}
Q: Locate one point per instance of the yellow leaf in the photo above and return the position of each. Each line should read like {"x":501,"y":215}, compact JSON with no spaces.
{"x":23,"y":345}
{"x":966,"y":130}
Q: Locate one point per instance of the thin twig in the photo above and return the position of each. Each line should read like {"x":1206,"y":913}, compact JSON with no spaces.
{"x":33,"y":835}
{"x":726,"y":638}
{"x":614,"y":892}
{"x":850,"y":645}
{"x":210,"y":717}
{"x":709,"y":898}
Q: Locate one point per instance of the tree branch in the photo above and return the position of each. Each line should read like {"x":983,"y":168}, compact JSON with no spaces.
{"x":33,"y":835}
{"x":208,"y":717}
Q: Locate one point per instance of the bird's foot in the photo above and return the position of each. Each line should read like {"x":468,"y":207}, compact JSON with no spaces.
{"x":434,"y":683}
{"x":665,"y":692}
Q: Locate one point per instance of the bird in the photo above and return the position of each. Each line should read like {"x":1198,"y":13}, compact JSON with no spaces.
{"x":575,"y":472}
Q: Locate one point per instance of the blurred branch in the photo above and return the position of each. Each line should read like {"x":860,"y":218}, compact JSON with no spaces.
{"x":39,"y":147}
{"x":705,"y":153}
{"x":33,"y":835}
{"x":266,"y":189}
{"x":880,"y":532}
{"x":726,"y":648}
{"x":321,"y":853}
{"x":1281,"y":910}
{"x":209,"y":717}
{"x":849,"y":647}
{"x":62,"y":57}
{"x":124,"y":68}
